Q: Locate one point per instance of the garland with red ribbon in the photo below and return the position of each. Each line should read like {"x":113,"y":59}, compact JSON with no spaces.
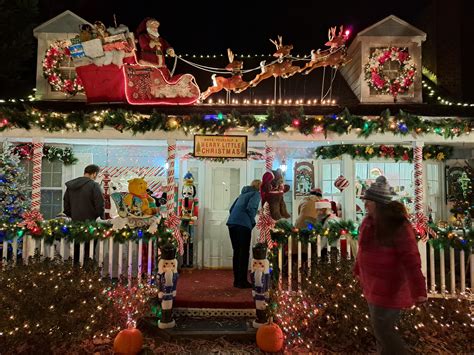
{"x":57,"y":53}
{"x":378,"y":80}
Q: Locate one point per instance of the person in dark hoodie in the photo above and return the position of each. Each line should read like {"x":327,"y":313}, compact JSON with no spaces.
{"x":83,"y":200}
{"x":240,"y":223}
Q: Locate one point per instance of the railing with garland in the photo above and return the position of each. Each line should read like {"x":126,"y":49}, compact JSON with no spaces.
{"x":120,"y":252}
{"x":459,"y":243}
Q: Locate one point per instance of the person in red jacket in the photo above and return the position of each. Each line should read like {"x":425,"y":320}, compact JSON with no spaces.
{"x":388,"y":265}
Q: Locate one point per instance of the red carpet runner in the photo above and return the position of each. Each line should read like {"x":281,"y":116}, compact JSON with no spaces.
{"x":211,"y":289}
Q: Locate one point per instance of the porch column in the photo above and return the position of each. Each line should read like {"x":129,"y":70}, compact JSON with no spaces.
{"x":420,"y":218}
{"x":269,"y":156}
{"x":172,"y":221}
{"x":38,"y":144}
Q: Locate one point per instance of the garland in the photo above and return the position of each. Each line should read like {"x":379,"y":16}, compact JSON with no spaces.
{"x":66,"y":155}
{"x":374,"y":71}
{"x":401,"y":124}
{"x":55,"y":55}
{"x":397,"y":152}
{"x":79,"y":232}
{"x":450,"y":237}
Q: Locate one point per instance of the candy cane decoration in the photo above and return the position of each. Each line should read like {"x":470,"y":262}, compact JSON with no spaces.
{"x":36,"y":184}
{"x":265,"y":224}
{"x":172,"y":222}
{"x":269,"y":156}
{"x":420,"y":218}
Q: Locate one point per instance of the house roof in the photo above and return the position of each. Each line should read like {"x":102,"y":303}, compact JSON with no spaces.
{"x":392,"y":26}
{"x":65,"y":22}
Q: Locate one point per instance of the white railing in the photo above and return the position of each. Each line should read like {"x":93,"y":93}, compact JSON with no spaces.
{"x":116,"y":259}
{"x":126,"y":260}
{"x":433,"y":268}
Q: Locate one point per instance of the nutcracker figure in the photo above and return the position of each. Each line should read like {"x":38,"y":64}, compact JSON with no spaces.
{"x":167,"y":281}
{"x":188,"y":212}
{"x":260,"y":276}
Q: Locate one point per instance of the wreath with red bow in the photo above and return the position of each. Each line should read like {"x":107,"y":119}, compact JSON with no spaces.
{"x":378,"y":80}
{"x":56,"y":53}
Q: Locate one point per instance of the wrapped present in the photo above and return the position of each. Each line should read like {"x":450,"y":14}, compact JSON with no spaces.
{"x":93,"y":48}
{"x":115,"y":38}
{"x":76,"y":50}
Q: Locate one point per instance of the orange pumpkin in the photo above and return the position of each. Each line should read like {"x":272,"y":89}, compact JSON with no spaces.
{"x":270,"y":337}
{"x":128,"y":341}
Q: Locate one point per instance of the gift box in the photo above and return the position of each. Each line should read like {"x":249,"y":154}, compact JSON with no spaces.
{"x":93,"y":48}
{"x":76,"y":50}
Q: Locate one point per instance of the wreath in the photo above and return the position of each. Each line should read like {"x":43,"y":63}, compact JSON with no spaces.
{"x":56,"y":53}
{"x":376,"y":78}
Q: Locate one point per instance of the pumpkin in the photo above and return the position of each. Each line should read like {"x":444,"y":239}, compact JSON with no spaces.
{"x":270,"y":337}
{"x":128,"y":341}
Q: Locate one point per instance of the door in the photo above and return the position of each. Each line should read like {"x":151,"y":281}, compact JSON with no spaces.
{"x":223,"y":184}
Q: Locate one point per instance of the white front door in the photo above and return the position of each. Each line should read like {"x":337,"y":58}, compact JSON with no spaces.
{"x":223,"y":183}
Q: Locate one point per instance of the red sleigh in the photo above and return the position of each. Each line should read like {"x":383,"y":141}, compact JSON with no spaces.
{"x":137,"y":85}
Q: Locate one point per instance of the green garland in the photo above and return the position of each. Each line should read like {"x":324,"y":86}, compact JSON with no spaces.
{"x":66,"y":155}
{"x":273,"y":122}
{"x":446,"y":237}
{"x":80,"y":232}
{"x":396,"y":152}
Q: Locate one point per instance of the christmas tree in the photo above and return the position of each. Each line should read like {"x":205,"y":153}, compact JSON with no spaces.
{"x":464,"y":200}
{"x":13,"y":200}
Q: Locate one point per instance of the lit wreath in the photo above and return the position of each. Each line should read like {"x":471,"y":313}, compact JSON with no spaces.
{"x":56,"y":53}
{"x":374,"y":71}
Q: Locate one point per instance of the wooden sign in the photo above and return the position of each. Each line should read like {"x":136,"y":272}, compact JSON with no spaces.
{"x":231,"y":147}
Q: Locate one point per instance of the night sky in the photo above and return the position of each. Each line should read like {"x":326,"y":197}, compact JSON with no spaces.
{"x":245,"y":26}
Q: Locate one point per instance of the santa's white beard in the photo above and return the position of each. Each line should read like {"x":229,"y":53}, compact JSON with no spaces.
{"x":152,"y":32}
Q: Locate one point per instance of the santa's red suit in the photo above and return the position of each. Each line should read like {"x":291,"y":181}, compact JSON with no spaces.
{"x":152,"y":49}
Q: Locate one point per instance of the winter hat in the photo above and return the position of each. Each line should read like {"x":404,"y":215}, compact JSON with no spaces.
{"x":379,"y":191}
{"x":323,"y":204}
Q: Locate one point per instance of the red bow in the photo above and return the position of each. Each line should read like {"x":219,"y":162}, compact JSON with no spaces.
{"x":30,"y":219}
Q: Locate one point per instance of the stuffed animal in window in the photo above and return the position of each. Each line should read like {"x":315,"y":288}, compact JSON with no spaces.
{"x":188,"y":203}
{"x":137,"y":201}
{"x":272,"y":191}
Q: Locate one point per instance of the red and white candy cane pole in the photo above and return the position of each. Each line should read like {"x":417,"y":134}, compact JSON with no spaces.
{"x":420,"y":218}
{"x":269,"y":157}
{"x":35,"y":188}
{"x":172,"y":221}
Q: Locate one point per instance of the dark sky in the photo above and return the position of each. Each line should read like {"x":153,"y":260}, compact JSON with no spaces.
{"x":245,"y":26}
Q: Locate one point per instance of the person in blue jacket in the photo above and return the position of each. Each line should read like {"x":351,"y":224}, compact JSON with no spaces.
{"x":240,"y":223}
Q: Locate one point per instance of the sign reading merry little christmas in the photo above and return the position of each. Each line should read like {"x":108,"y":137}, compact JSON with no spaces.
{"x":233,"y":147}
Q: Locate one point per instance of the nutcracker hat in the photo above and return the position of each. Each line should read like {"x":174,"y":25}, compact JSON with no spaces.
{"x":259,"y":251}
{"x":168,"y":252}
{"x":323,"y":204}
{"x":379,"y":191}
{"x":188,"y":179}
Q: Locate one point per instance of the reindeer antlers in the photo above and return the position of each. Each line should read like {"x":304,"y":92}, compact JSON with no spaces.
{"x":230,"y":55}
{"x":278,"y":44}
{"x":331,"y":33}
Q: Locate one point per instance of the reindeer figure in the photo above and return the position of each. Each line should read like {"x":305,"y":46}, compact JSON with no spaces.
{"x":334,"y":56}
{"x":283,"y":67}
{"x":234,"y":83}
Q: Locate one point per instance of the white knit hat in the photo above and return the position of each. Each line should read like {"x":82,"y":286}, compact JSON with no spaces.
{"x":323,"y":204}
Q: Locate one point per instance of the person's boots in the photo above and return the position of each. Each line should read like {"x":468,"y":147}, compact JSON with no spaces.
{"x":167,"y":320}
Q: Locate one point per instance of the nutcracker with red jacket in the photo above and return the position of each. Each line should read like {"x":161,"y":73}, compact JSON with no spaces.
{"x":188,"y":211}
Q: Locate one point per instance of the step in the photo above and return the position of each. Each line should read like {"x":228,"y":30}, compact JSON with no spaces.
{"x":239,"y":329}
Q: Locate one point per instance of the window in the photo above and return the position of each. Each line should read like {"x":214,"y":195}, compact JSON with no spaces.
{"x":330,"y":172}
{"x":399,"y":176}
{"x":433,"y":192}
{"x":51,"y":186}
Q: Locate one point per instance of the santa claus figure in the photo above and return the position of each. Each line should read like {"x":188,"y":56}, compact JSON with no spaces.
{"x":153,"y":46}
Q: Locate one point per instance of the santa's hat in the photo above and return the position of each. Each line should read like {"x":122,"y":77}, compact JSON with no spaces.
{"x":142,"y":27}
{"x":323,"y":204}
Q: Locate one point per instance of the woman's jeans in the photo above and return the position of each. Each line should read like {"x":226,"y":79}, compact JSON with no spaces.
{"x":384,"y":321}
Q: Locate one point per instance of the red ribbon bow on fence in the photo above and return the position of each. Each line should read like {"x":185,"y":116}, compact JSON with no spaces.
{"x":31,"y":219}
{"x":173,"y":222}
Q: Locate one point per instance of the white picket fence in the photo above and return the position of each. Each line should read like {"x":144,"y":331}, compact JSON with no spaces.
{"x":125,"y":260}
